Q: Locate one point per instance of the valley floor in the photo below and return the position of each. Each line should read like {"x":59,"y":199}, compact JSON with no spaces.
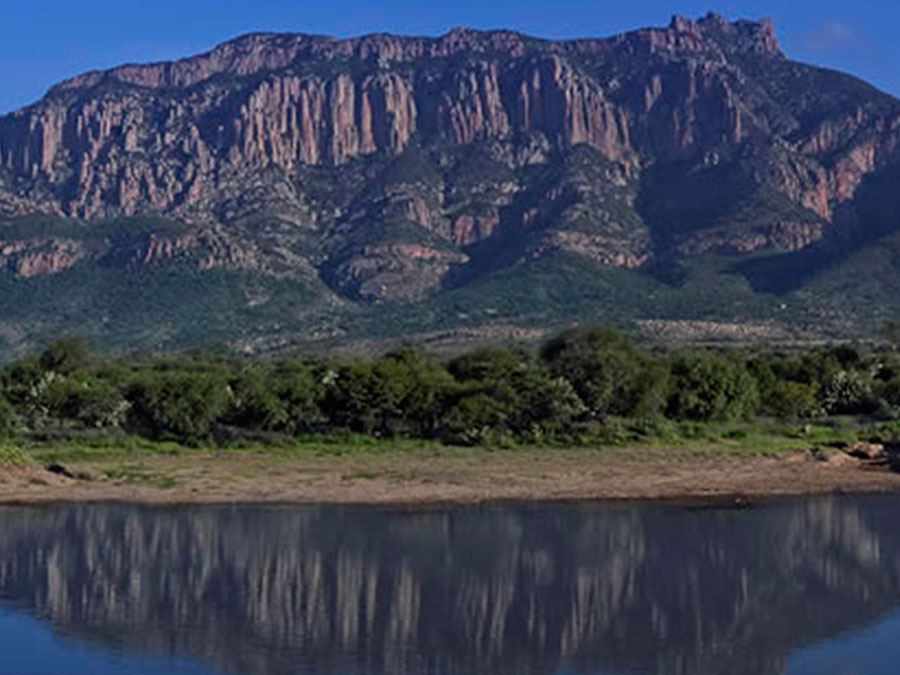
{"x":436,"y":476}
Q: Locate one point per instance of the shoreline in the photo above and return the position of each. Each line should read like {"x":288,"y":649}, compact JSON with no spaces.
{"x":735,"y":501}
{"x":695,"y":477}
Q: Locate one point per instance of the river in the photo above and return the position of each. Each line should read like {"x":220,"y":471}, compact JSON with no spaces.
{"x":805,"y":587}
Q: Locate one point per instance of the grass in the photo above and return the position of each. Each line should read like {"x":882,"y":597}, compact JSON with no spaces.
{"x":99,"y":449}
{"x":14,"y":456}
{"x":644,"y":461}
{"x":139,"y":474}
{"x":761,"y":437}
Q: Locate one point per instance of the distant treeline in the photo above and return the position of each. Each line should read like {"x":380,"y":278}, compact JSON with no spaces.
{"x":576,"y":388}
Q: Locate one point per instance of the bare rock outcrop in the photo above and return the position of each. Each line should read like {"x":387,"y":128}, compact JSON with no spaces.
{"x":386,"y":166}
{"x":169,"y":137}
{"x":35,"y":257}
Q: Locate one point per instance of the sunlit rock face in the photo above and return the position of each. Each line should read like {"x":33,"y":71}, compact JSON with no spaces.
{"x":488,"y":591}
{"x":160,"y":136}
{"x":386,"y":165}
{"x":296,"y":191}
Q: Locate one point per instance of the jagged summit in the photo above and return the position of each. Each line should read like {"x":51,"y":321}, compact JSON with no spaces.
{"x":759,"y":37}
{"x":258,"y":52}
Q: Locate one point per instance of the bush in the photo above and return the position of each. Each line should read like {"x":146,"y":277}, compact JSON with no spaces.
{"x":849,"y":392}
{"x":10,"y":455}
{"x":606,"y":370}
{"x":8,"y":418}
{"x":475,"y":419}
{"x":84,"y":399}
{"x":587,"y":385}
{"x":65,"y":356}
{"x":401,"y":393}
{"x":509,"y":390}
{"x":707,"y":386}
{"x":178,"y":406}
{"x":791,"y":400}
{"x":282,"y":399}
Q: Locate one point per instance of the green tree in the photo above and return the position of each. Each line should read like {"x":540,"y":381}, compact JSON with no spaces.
{"x":476,"y":418}
{"x":8,"y":418}
{"x":281,"y":397}
{"x":609,"y":374}
{"x":255,"y":403}
{"x":507,"y":389}
{"x":66,"y":355}
{"x":400,"y":393}
{"x":83,"y":399}
{"x":786,"y":387}
{"x":791,"y":400}
{"x":707,"y":386}
{"x":180,"y":406}
{"x":849,"y":392}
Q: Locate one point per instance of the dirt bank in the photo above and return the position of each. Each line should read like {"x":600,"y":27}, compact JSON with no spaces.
{"x":439,"y":477}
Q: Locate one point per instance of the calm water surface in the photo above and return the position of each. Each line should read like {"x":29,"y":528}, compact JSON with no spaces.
{"x":801,"y":588}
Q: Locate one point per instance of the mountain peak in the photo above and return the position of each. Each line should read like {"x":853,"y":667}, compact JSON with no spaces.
{"x":743,"y":35}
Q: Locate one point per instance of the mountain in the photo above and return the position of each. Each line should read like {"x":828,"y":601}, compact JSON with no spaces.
{"x":296,"y":189}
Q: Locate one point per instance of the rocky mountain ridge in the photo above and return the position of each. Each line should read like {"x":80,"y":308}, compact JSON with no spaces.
{"x":390,"y":169}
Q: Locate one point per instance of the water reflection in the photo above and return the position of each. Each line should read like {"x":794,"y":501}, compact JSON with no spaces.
{"x":274,"y":590}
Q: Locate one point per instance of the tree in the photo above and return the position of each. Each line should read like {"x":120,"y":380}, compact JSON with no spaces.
{"x":8,"y":418}
{"x":475,"y":419}
{"x":647,"y":395}
{"x":849,"y":392}
{"x":791,"y":400}
{"x":181,"y":406}
{"x":66,"y":355}
{"x":707,"y":386}
{"x":399,"y":393}
{"x":282,"y":397}
{"x":508,"y":390}
{"x":84,"y":399}
{"x":606,"y":370}
{"x":299,"y":386}
{"x":891,"y":332}
{"x":787,"y":388}
{"x":255,"y":403}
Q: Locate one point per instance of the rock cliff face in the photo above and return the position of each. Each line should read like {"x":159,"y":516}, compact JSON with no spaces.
{"x":392,"y":167}
{"x":160,"y":137}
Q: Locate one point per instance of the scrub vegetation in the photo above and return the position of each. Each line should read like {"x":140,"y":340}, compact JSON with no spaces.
{"x":590,"y":386}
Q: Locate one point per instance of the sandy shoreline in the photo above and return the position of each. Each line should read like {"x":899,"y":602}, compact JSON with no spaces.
{"x":431,"y":479}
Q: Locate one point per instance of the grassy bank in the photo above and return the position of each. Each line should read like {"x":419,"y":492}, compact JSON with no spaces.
{"x":760,"y":438}
{"x":417,"y":475}
{"x":706,"y":462}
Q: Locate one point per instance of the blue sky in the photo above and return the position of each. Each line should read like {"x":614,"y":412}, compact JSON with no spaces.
{"x":45,"y":41}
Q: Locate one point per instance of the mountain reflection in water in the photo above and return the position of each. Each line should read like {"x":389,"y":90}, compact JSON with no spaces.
{"x":497,"y":590}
